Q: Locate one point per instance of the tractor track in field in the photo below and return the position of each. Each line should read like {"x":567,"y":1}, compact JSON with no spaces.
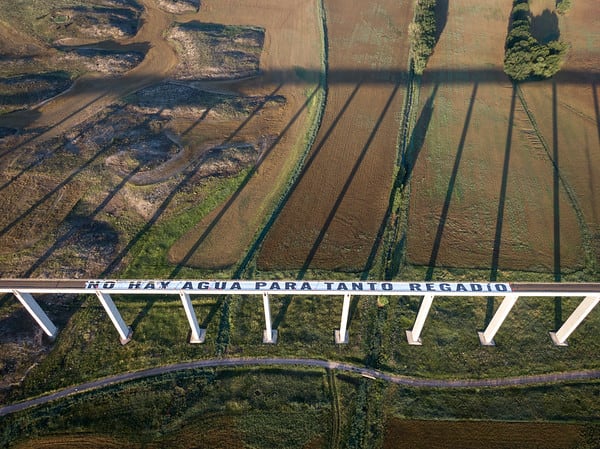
{"x":571,"y":195}
{"x":409,"y":381}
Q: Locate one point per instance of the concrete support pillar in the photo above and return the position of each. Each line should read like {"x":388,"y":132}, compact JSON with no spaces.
{"x":112,"y":311}
{"x":269,"y":335}
{"x":198,"y":335}
{"x":37,"y":313}
{"x":560,"y":336}
{"x":341,"y":335}
{"x":486,"y":338}
{"x":414,"y":336}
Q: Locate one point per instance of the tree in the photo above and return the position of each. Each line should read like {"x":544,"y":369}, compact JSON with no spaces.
{"x":525,"y":58}
{"x":422,"y":34}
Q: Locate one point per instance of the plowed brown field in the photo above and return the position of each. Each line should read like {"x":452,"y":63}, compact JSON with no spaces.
{"x":293,"y":44}
{"x":485,"y":192}
{"x":492,"y":435}
{"x":333,"y":215}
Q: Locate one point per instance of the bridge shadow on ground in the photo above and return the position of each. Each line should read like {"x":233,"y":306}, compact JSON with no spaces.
{"x":347,"y":184}
{"x":306,"y":167}
{"x":193,"y":170}
{"x":189,"y":175}
{"x":596,"y":108}
{"x":450,"y":190}
{"x":232,"y":199}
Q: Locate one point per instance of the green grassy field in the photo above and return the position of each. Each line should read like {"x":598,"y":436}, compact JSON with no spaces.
{"x":212,"y":408}
{"x":306,"y":408}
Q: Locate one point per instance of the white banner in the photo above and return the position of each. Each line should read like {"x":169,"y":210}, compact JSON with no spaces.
{"x":274,"y":287}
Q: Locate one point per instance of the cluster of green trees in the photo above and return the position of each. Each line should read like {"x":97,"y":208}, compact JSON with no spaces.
{"x":525,"y":58}
{"x":422,"y":34}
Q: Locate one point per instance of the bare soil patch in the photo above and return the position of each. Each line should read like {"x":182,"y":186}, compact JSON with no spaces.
{"x":484,"y":191}
{"x":332,"y":218}
{"x":292,"y":39}
{"x":464,"y":434}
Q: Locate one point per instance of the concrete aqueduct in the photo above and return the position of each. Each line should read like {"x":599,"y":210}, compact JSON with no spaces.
{"x":23,"y":290}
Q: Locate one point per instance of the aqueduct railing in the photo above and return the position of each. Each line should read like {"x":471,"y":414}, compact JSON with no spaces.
{"x":24,"y":289}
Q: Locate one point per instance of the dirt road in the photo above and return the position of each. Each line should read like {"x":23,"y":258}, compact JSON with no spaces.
{"x":326,"y":364}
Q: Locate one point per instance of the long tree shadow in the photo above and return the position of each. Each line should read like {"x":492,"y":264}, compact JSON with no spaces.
{"x":503,"y":189}
{"x":556,"y":185}
{"x":315,"y":152}
{"x":56,"y":190}
{"x":40,"y":136}
{"x":285,"y":304}
{"x":346,"y":186}
{"x":143,"y":313}
{"x":501,"y":205}
{"x":167,"y":201}
{"x":596,"y":108}
{"x":212,"y":312}
{"x":52,"y":192}
{"x":197,"y":122}
{"x":417,"y":137}
{"x":24,"y":170}
{"x":451,"y":183}
{"x":556,"y":201}
{"x":185,"y":260}
{"x":441,"y":17}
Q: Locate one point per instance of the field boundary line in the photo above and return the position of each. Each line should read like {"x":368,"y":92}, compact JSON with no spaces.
{"x":408,"y":381}
{"x":320,"y":93}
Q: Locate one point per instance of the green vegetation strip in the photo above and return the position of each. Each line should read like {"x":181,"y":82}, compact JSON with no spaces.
{"x":572,"y":376}
{"x":422,"y":33}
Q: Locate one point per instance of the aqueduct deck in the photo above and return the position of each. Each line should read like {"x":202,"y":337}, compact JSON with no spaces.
{"x":23,"y":290}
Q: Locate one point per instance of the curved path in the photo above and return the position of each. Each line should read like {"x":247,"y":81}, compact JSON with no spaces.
{"x":327,"y":364}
